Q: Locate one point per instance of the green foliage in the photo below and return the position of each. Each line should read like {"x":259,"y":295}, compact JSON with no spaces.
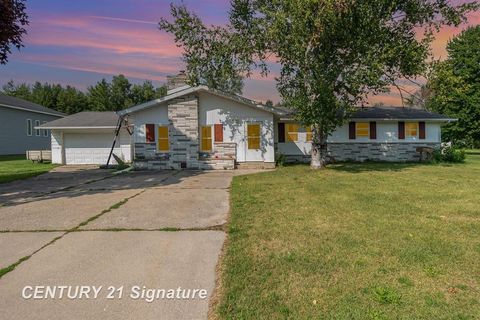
{"x":385,"y":295}
{"x":13,"y":19}
{"x":210,"y":53}
{"x":455,"y":88}
{"x":449,"y":154}
{"x":103,"y":96}
{"x":332,"y":53}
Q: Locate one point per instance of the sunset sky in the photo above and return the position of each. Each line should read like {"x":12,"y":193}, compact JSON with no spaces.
{"x":80,"y":42}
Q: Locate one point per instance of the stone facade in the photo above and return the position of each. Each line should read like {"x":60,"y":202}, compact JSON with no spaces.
{"x":184,"y":143}
{"x":389,"y":152}
{"x":392,"y":152}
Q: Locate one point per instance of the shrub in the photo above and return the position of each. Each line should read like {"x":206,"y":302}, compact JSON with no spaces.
{"x":281,"y":160}
{"x":449,"y":154}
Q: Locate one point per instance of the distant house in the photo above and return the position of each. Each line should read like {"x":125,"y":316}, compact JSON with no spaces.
{"x":18,"y":119}
{"x":202,"y":128}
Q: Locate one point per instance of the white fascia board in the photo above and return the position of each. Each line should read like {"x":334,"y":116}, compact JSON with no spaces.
{"x":67,"y":128}
{"x":30,"y":110}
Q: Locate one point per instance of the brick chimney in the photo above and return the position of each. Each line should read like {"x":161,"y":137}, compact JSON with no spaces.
{"x":177,"y":81}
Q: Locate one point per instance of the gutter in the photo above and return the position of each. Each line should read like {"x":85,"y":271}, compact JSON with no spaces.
{"x":35,"y":111}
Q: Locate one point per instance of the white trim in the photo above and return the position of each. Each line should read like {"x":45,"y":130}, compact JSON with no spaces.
{"x":29,"y":127}
{"x":45,"y":131}
{"x":67,"y":128}
{"x":36,"y":111}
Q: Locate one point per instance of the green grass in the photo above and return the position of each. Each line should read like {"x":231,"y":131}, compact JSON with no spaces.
{"x":17,"y":167}
{"x":354,"y":241}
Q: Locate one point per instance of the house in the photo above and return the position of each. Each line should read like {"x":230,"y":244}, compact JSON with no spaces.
{"x":202,"y":128}
{"x":87,"y":138}
{"x":18,"y":119}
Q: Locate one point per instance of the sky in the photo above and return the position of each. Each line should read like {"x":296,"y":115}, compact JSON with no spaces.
{"x":80,"y":42}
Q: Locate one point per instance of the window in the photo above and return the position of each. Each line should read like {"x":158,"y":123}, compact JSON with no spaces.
{"x":29,"y":127}
{"x":253,"y":136}
{"x":37,"y":131}
{"x":206,"y":136}
{"x":309,"y":134}
{"x":163,"y":144}
{"x":362,"y":130}
{"x":45,"y":131}
{"x":411,"y":129}
{"x":291,"y":134}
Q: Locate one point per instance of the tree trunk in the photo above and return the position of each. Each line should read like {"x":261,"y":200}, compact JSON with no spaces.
{"x":319,"y":149}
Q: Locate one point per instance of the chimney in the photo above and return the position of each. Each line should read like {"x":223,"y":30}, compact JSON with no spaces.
{"x":177,"y":81}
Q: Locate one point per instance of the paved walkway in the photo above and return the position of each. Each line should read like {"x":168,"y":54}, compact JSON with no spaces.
{"x":86,"y":227}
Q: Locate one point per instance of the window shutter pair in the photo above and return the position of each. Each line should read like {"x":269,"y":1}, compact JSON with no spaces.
{"x":421,"y":128}
{"x":352,"y":130}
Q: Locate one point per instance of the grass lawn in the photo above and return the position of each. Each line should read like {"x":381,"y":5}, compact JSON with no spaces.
{"x":355,"y":241}
{"x":17,"y":167}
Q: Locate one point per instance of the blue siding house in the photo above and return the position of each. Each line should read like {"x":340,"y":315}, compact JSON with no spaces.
{"x":18,"y":119}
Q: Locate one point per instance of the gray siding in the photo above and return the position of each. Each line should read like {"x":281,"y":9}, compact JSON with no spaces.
{"x":13,"y":131}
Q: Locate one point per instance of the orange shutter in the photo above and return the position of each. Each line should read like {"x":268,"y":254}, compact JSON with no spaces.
{"x":218,"y":132}
{"x":150,"y":132}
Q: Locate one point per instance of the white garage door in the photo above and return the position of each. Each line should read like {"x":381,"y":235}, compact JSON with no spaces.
{"x":87,"y":148}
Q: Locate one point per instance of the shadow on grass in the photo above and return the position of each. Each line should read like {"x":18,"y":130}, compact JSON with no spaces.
{"x":358,"y":167}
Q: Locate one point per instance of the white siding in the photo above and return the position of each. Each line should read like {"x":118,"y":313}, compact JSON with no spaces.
{"x":154,"y":115}
{"x":57,"y":147}
{"x":235,"y":116}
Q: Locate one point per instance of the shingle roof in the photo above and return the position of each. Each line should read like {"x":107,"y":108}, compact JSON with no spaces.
{"x":85,"y":119}
{"x":13,"y":102}
{"x":397,"y":113}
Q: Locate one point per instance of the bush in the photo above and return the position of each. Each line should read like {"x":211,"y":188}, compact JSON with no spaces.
{"x":281,"y":160}
{"x":449,"y":154}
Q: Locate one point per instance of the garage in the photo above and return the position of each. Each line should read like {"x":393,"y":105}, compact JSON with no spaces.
{"x":87,"y":148}
{"x":87,"y":137}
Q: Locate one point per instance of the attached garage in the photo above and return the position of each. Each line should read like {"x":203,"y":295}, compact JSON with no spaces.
{"x":87,"y":137}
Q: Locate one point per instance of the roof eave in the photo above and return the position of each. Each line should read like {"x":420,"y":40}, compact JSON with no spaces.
{"x":75,"y":128}
{"x":61,"y":115}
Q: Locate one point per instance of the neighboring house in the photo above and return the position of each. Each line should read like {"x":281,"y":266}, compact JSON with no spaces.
{"x":202,"y":128}
{"x":87,"y":138}
{"x":18,"y":119}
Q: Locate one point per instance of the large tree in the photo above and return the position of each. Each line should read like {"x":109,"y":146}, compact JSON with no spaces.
{"x":13,"y":19}
{"x":333,"y":53}
{"x":455,"y":88}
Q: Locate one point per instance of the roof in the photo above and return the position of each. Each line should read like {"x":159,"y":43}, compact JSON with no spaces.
{"x":397,"y":113}
{"x":21,"y":104}
{"x":189,"y":90}
{"x":85,"y":120}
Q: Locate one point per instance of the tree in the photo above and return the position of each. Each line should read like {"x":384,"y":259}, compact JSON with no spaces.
{"x":208,"y":52}
{"x":70,"y":100}
{"x":455,"y":88}
{"x":99,"y":96}
{"x":333,"y":53}
{"x":13,"y":18}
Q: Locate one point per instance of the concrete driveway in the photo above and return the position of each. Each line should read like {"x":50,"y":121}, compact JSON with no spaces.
{"x":140,"y":233}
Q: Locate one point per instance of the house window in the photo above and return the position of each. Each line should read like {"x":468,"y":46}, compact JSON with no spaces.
{"x":37,"y":131}
{"x":206,"y":136}
{"x":163,"y":143}
{"x":29,"y":127}
{"x":411,"y":129}
{"x":291,"y":134}
{"x":253,"y":136}
{"x":45,"y":131}
{"x":362,"y":129}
